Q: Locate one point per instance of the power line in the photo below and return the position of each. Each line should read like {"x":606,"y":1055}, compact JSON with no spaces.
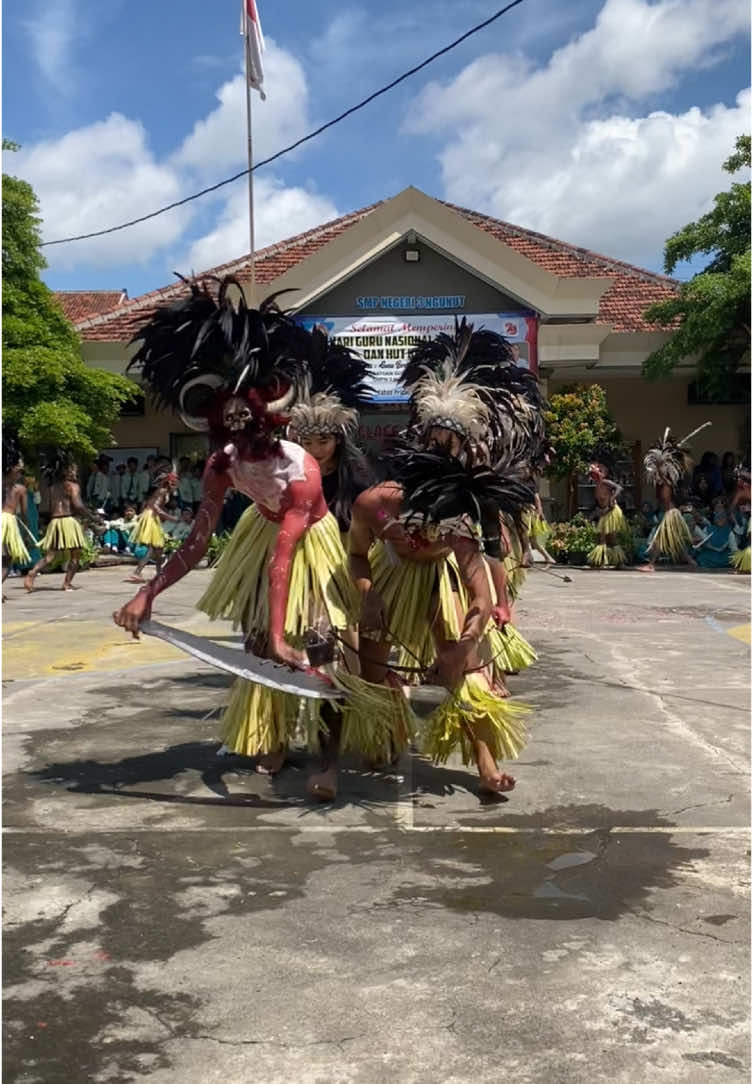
{"x":298,"y":142}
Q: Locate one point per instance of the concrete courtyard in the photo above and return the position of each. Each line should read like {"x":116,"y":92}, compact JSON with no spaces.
{"x":175,"y":917}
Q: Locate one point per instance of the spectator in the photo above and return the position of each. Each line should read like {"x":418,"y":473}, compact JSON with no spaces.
{"x":182,"y":528}
{"x":711,"y":540}
{"x":729,"y":473}
{"x":116,"y":489}
{"x":646,"y":520}
{"x":98,"y":486}
{"x":185,"y":482}
{"x":116,"y":536}
{"x":132,"y":487}
{"x":708,"y":468}
{"x":147,"y":474}
{"x":197,"y":472}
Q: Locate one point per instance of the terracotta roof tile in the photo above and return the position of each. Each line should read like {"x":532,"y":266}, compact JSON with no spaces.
{"x":80,"y":304}
{"x":622,"y":306}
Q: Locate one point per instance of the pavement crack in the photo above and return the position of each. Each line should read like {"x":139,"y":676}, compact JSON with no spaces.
{"x":684,"y":929}
{"x":283,"y":1046}
{"x":701,"y":805}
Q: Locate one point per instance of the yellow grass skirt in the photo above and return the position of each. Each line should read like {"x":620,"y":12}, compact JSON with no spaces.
{"x":672,"y":538}
{"x":416,"y":596}
{"x":413,"y":593}
{"x":63,"y":533}
{"x":535,"y":525}
{"x":320,"y":590}
{"x":147,"y":531}
{"x":740,"y":560}
{"x":474,"y":711}
{"x":13,"y":543}
{"x":612,"y":522}
{"x":603,"y":556}
{"x":513,"y":564}
{"x":320,"y":595}
{"x":509,"y":651}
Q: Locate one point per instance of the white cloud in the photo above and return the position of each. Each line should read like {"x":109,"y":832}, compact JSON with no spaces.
{"x":279,"y":212}
{"x":52,"y":31}
{"x":96,"y":177}
{"x":563,"y":148}
{"x":105,"y":173}
{"x":218,"y":142}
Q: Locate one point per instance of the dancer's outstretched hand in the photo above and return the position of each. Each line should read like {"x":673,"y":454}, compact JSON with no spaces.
{"x":288,"y":656}
{"x":501,"y":615}
{"x":130,"y":616}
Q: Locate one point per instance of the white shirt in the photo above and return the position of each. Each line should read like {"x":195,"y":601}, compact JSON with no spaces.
{"x":179,"y":530}
{"x":185,"y":489}
{"x":98,"y":487}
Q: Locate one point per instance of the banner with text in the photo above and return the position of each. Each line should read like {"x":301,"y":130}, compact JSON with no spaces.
{"x":386,"y":341}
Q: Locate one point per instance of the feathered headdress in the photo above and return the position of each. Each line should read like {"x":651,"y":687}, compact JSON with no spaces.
{"x":54,"y":462}
{"x":668,"y":461}
{"x":196,"y":353}
{"x":336,"y":389}
{"x":440,"y":488}
{"x":470,"y":384}
{"x":11,"y":450}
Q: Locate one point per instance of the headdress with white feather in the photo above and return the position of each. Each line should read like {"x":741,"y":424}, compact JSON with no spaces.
{"x":668,"y":461}
{"x":335,"y":390}
{"x":470,"y":384}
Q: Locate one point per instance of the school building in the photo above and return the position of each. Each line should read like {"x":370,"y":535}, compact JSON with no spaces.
{"x":384,"y":276}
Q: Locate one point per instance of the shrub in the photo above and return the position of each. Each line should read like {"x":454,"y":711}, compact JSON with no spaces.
{"x":216,"y":548}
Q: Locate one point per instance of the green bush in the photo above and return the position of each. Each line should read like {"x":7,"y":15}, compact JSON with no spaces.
{"x":571,"y":542}
{"x":216,"y":548}
{"x":89,"y":553}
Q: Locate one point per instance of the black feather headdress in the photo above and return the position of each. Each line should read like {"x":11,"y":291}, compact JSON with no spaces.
{"x":439,"y":487}
{"x":210,"y":344}
{"x":54,"y":462}
{"x":668,"y":461}
{"x":336,"y":389}
{"x":11,"y":450}
{"x":470,"y":383}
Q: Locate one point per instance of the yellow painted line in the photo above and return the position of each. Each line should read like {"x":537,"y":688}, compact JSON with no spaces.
{"x":740,"y":632}
{"x":84,"y":647}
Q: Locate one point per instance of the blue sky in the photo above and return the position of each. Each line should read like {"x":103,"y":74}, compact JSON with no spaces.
{"x":602,"y":122}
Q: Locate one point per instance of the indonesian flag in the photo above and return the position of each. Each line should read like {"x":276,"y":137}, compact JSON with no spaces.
{"x":251,"y":31}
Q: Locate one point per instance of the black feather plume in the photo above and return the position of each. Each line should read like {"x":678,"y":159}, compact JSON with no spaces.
{"x":438,"y":486}
{"x":54,"y":462}
{"x":337,"y":370}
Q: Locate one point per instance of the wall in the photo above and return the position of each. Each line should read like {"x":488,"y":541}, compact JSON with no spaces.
{"x":434,"y":275}
{"x":642,"y":410}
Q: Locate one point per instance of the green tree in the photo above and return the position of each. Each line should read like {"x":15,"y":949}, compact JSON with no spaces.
{"x":578,"y":426}
{"x":50,"y":396}
{"x":710,"y":315}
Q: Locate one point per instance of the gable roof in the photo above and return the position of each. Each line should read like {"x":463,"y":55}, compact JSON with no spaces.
{"x":79,"y":305}
{"x":622,"y":305}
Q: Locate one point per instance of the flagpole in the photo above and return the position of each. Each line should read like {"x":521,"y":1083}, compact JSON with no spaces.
{"x":252,"y":287}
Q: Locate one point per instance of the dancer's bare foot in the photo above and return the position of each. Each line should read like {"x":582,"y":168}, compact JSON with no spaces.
{"x":492,"y":780}
{"x":271,"y":763}
{"x":29,"y":583}
{"x":646,"y":568}
{"x":322,"y":786}
{"x":134,"y":579}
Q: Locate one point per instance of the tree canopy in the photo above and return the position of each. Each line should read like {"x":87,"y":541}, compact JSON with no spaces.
{"x":710,"y":315}
{"x":578,"y":427}
{"x":50,"y":396}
